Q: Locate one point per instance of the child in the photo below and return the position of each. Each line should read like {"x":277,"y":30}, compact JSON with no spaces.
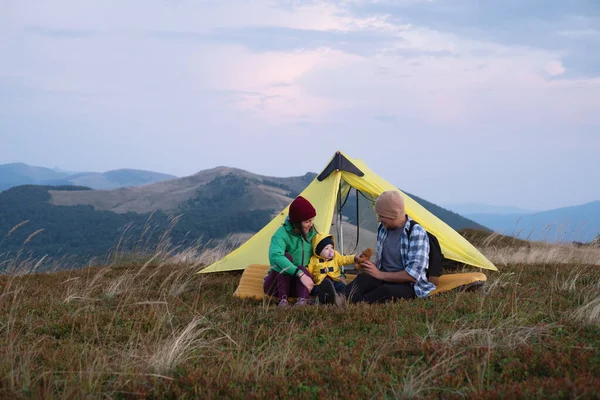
{"x":325,"y":266}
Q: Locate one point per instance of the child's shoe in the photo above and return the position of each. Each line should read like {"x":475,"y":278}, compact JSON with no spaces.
{"x":284,"y":303}
{"x":301,"y":302}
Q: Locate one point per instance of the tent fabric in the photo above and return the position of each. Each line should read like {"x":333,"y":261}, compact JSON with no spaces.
{"x":324,"y":194}
{"x":454,"y":245}
{"x":256,"y":249}
{"x":251,"y":283}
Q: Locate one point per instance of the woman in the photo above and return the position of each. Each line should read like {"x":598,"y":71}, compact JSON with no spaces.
{"x":289,"y":253}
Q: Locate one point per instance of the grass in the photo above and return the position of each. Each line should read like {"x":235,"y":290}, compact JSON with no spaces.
{"x":506,"y":250}
{"x":158,"y":330}
{"x":147,"y":326}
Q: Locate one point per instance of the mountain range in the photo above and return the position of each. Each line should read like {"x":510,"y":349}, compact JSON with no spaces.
{"x":579,"y":223}
{"x":480,"y":208}
{"x":211,"y":204}
{"x":16,"y":174}
{"x":67,"y":217}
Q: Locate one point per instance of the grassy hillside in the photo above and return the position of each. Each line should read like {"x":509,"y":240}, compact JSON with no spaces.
{"x":157,"y":330}
{"x":171,"y":194}
{"x":209,"y":205}
{"x":31,"y":225}
{"x":119,"y":178}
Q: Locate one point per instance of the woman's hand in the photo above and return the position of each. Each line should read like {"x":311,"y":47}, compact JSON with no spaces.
{"x":371,"y":269}
{"x":307,"y":281}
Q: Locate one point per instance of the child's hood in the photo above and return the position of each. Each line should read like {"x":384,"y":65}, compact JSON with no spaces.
{"x":317,"y":239}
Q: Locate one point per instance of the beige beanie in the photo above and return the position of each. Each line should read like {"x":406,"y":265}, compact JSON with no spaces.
{"x":390,"y":204}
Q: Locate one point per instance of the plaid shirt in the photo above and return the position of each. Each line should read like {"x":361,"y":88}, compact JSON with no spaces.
{"x":415,"y":255}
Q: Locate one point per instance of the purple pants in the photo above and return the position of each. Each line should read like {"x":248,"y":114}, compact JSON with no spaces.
{"x":283,"y":285}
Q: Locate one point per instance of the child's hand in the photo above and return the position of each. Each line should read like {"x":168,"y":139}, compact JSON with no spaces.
{"x":344,"y":280}
{"x":364,"y":256}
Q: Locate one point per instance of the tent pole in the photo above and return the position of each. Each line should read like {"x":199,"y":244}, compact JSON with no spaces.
{"x":340,"y":221}
{"x":341,"y":234}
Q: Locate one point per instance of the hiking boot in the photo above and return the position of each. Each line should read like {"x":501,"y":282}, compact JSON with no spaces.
{"x":326,"y":292}
{"x":301,"y":302}
{"x":283,"y":303}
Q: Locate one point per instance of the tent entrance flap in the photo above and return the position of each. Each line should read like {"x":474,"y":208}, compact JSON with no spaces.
{"x":356,"y":222}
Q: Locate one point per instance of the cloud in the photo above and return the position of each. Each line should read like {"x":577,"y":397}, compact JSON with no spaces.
{"x":385,"y":118}
{"x":411,"y":53}
{"x":555,"y":68}
{"x":563,"y":27}
{"x":280,"y":84}
{"x":581,"y":34}
{"x":172,"y":86}
{"x":474,"y":13}
{"x":273,"y":39}
{"x":285,"y":26}
{"x":61,"y":33}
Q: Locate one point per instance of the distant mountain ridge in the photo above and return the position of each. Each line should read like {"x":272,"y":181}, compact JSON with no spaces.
{"x":16,"y":174}
{"x":576,"y":223}
{"x":264,"y":193}
{"x":208,"y":205}
{"x":480,"y":208}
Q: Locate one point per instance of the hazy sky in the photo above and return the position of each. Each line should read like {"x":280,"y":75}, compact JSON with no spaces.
{"x":452,"y":100}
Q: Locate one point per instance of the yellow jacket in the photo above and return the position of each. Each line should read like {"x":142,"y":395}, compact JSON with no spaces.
{"x":320,"y":268}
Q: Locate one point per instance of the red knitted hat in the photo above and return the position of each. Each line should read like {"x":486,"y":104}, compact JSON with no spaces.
{"x":301,"y":210}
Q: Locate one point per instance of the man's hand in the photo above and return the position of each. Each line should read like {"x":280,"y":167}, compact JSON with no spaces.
{"x":371,"y":269}
{"x":307,"y":281}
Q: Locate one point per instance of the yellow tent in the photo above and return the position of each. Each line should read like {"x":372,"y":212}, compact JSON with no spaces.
{"x":341,"y":174}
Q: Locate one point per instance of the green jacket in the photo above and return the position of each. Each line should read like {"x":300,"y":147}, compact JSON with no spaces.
{"x":285,"y":240}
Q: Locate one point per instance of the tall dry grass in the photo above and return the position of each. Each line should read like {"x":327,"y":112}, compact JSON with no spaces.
{"x":544,"y":253}
{"x":129,"y":249}
{"x":155,"y":328}
{"x":506,"y":250}
{"x":96,"y":310}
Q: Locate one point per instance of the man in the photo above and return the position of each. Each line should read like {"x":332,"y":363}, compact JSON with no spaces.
{"x":401,"y":264}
